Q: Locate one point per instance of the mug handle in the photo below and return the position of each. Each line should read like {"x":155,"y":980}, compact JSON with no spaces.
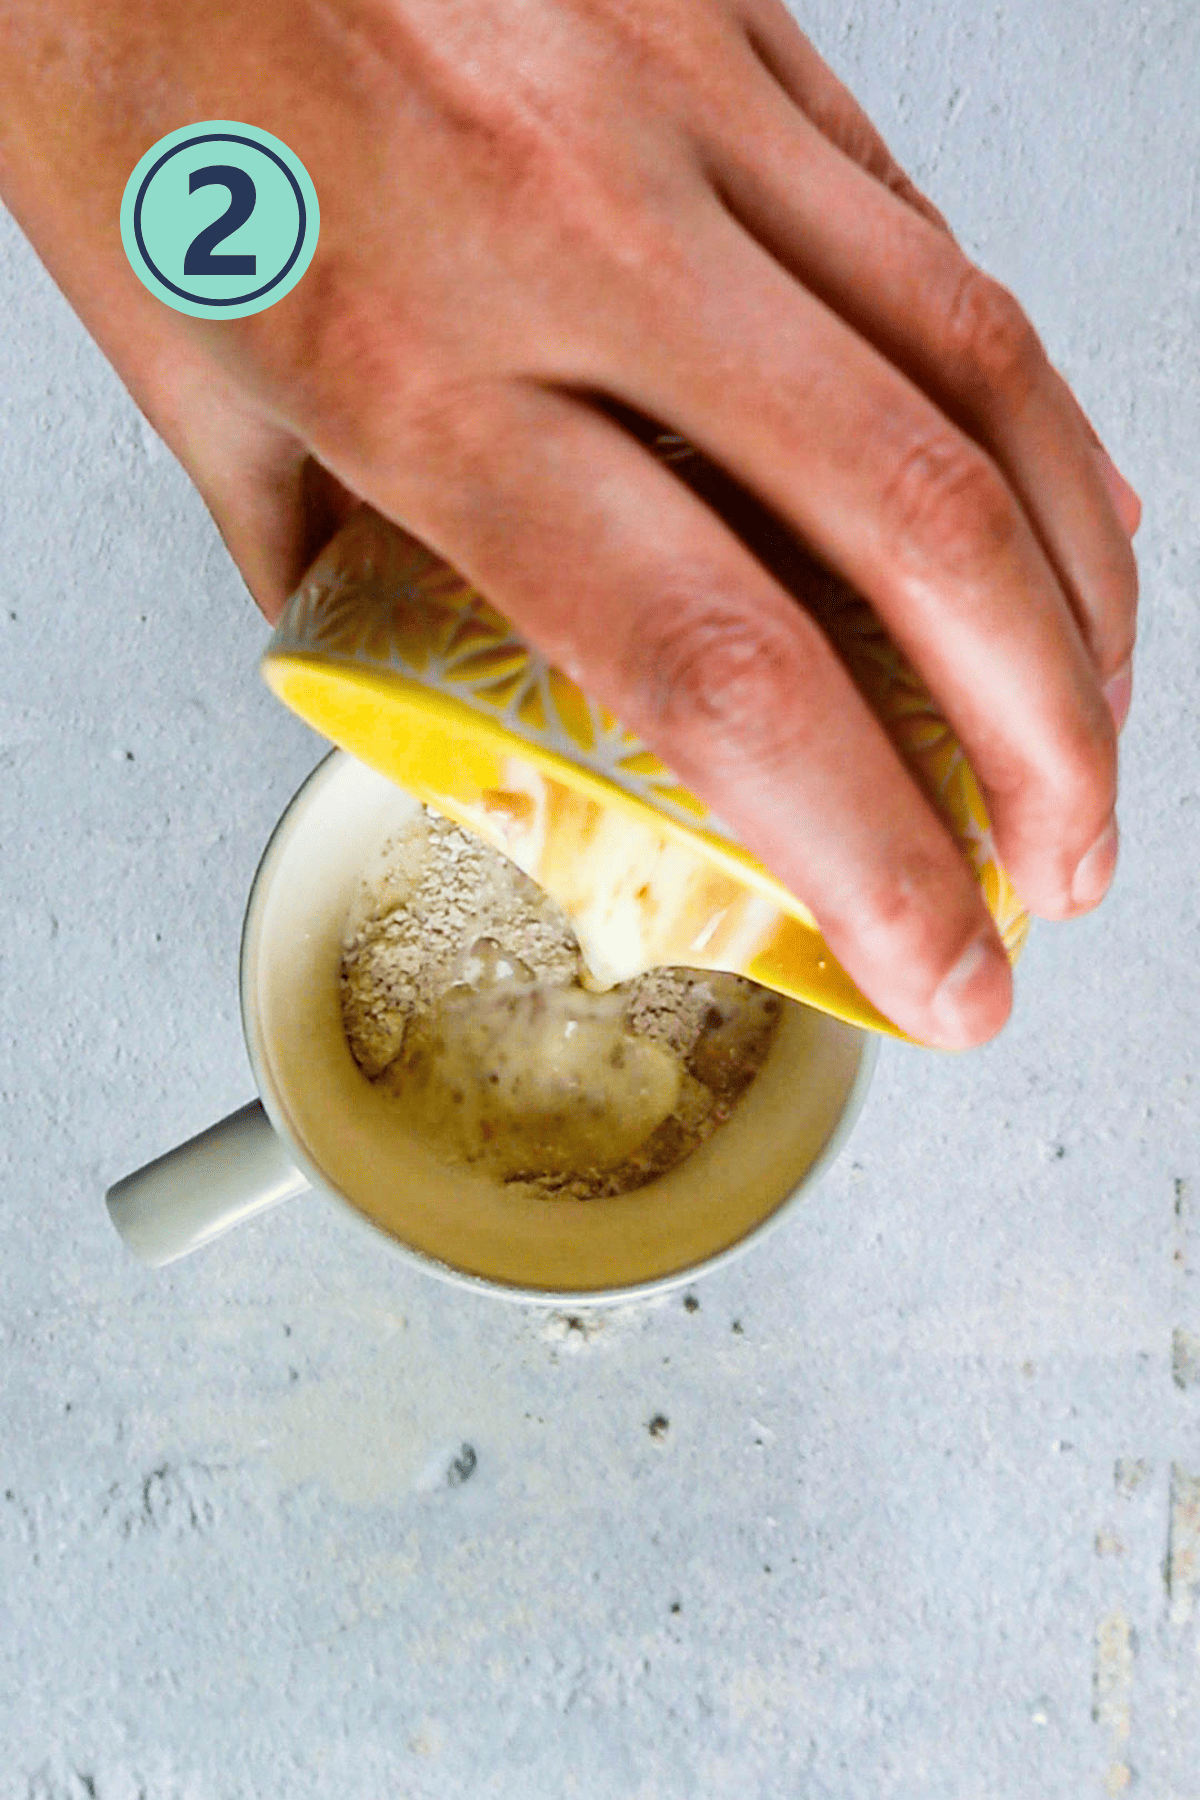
{"x":200,"y":1189}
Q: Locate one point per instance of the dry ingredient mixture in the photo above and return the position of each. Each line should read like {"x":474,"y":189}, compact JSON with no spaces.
{"x":463,"y":995}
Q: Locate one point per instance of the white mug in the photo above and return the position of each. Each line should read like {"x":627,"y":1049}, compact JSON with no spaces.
{"x":320,"y":1124}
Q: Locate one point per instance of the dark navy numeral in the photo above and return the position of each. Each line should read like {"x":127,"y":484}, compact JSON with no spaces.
{"x":242,"y":196}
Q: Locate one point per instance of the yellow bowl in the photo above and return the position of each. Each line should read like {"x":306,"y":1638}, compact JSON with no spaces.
{"x":390,"y":653}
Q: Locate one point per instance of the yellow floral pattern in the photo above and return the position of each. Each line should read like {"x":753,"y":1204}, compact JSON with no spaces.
{"x":376,"y":597}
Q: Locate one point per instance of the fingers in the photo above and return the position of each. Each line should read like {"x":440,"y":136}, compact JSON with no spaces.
{"x":638,"y":591}
{"x":1123,"y":496}
{"x":908,"y":289}
{"x":806,"y":78}
{"x":807,"y":414}
{"x":804,"y":75}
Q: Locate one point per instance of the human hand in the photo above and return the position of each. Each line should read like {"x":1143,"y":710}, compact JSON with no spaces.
{"x":530,"y":208}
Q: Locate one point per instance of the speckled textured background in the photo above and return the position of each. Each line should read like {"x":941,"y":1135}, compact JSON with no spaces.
{"x":925,"y":1515}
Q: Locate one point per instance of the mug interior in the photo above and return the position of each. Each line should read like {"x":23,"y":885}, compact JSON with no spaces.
{"x":352,"y":1140}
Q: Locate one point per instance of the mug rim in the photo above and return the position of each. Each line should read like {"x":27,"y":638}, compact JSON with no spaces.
{"x":429,"y":1265}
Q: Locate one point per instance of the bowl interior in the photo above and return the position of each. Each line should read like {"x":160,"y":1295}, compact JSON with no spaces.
{"x":353,"y":1140}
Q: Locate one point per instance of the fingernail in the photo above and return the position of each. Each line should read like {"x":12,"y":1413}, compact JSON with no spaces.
{"x":977,"y":990}
{"x":1095,"y":871}
{"x":1124,"y":498}
{"x":1118,"y":691}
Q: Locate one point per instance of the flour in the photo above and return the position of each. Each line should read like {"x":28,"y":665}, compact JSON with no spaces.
{"x":462,"y":996}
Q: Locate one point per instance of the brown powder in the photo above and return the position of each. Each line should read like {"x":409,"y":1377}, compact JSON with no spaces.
{"x":462,"y":994}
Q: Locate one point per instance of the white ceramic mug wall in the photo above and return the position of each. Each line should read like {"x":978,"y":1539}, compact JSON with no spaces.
{"x":319,"y":1124}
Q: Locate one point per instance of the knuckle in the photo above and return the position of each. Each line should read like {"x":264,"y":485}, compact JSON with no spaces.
{"x":901,"y":906}
{"x":913,"y":913}
{"x":989,"y":341}
{"x":717,"y":678}
{"x":450,"y":423}
{"x":365,"y":382}
{"x":678,"y":54}
{"x":458,"y":434}
{"x":945,"y":495}
{"x":343,"y":360}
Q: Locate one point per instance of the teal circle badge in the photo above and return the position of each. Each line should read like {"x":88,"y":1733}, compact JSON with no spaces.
{"x":219,"y":220}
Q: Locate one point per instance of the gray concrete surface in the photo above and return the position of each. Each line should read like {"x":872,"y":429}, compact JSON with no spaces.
{"x":926,"y":1516}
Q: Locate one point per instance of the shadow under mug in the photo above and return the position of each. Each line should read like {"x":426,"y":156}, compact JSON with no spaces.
{"x":319,"y":1124}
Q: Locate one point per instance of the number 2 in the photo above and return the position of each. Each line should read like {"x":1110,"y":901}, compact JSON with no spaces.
{"x":242,"y":196}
